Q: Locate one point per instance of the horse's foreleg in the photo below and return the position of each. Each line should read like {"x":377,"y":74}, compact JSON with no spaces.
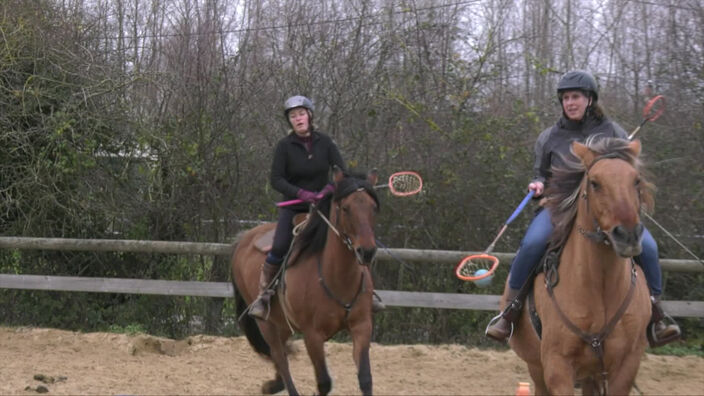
{"x":273,"y":386}
{"x":559,"y":376}
{"x":277,"y":347}
{"x":590,"y":387}
{"x":361,"y":339}
{"x":621,"y":378}
{"x":316,"y":352}
{"x":536,"y":373}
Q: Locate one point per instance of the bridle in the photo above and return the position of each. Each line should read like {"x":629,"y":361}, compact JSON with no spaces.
{"x":599,"y":236}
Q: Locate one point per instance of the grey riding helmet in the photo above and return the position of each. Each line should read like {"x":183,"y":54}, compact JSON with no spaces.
{"x":578,"y":79}
{"x":297,"y":101}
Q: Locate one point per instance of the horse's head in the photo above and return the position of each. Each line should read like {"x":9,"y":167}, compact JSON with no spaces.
{"x":354,"y":209}
{"x":613,"y":191}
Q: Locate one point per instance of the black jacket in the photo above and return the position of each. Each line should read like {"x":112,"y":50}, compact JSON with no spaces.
{"x":555,"y":142}
{"x":294,"y":167}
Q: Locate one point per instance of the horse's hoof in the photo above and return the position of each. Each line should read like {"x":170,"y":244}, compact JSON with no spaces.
{"x":273,"y":386}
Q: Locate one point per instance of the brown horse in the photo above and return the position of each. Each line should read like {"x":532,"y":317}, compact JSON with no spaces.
{"x":594,"y":307}
{"x":326,"y":286}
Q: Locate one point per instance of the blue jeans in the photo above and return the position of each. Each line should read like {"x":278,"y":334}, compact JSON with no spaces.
{"x":535,"y":242}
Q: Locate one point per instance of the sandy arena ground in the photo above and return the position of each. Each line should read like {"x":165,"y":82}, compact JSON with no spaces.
{"x":61,"y":362}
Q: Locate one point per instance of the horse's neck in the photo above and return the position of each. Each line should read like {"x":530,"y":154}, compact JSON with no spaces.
{"x":339,"y":264}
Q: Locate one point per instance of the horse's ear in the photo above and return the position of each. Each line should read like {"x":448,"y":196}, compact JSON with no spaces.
{"x":583,"y":152}
{"x":634,"y":147}
{"x":372,"y":177}
{"x":337,"y":174}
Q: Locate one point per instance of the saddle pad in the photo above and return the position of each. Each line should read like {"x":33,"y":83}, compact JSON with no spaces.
{"x":263,"y":243}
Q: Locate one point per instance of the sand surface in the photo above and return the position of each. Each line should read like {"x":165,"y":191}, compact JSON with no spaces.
{"x":64,"y":362}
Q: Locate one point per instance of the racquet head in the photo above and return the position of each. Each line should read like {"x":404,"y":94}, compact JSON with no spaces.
{"x":477,"y":267}
{"x":405,"y":183}
{"x":654,"y":108}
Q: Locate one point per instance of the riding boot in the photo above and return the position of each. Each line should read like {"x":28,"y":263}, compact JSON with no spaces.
{"x":260,"y":307}
{"x":659,"y":332}
{"x":501,"y":326}
{"x":377,"y":304}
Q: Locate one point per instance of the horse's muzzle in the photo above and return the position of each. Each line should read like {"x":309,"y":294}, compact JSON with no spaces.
{"x":366,"y":254}
{"x":627,"y":242}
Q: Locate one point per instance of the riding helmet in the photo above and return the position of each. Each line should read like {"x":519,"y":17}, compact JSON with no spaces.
{"x":297,"y":101}
{"x":578,"y":79}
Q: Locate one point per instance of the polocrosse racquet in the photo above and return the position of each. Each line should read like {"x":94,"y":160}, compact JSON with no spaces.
{"x":476,"y":267}
{"x":651,"y":112}
{"x":400,"y":184}
{"x":660,"y":108}
{"x":403,"y":184}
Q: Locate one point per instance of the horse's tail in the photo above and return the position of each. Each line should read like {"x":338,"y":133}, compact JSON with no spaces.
{"x":247,"y":323}
{"x":250,"y":328}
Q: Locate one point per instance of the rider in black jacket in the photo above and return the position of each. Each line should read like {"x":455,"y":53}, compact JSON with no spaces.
{"x":300,"y":170}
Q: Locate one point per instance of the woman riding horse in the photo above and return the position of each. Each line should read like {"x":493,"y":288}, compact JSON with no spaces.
{"x":300,"y":169}
{"x":589,"y":308}
{"x":326,"y":286}
{"x":582,"y":118}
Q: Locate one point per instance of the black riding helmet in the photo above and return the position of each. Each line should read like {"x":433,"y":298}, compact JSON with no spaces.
{"x":578,"y":79}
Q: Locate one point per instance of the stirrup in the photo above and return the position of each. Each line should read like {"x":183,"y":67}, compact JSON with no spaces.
{"x":653,"y":339}
{"x":492,"y":322}
{"x":265,"y":300}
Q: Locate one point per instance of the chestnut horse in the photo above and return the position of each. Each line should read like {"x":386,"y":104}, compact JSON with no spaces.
{"x":326,"y":285}
{"x":594,"y":307}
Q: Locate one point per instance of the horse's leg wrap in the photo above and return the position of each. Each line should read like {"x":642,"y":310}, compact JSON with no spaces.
{"x":260,"y":307}
{"x":659,"y":332}
{"x":501,"y":326}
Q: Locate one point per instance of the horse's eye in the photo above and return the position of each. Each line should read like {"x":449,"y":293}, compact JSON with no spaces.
{"x":346,"y":209}
{"x":637,"y":182}
{"x":594,"y":185}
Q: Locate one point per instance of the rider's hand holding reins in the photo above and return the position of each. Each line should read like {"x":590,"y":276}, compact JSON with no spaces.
{"x":328,"y":189}
{"x":307,"y":196}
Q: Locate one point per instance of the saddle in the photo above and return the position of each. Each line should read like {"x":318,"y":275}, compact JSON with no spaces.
{"x":549,"y":264}
{"x":263,"y":243}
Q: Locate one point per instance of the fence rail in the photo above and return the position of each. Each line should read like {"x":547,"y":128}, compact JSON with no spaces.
{"x":225,"y":289}
{"x":224,"y":249}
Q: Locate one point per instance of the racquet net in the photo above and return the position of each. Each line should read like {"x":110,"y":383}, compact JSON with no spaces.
{"x":476,"y":267}
{"x":405,"y":183}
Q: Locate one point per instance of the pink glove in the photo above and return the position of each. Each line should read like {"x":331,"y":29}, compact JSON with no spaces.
{"x":306,"y":196}
{"x":328,"y":189}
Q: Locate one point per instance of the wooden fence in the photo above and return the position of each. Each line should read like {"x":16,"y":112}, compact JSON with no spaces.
{"x":225,"y":289}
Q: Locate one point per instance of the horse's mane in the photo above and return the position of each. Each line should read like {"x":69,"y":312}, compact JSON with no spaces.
{"x":313,"y":236}
{"x":564,"y":186}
